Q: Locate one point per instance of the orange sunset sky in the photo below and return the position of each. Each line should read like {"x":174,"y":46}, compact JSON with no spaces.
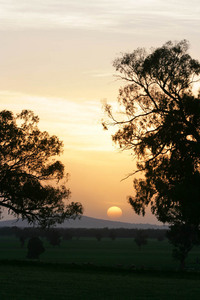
{"x":56,"y":59}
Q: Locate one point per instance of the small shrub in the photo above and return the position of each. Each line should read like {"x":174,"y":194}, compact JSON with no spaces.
{"x":35,"y":248}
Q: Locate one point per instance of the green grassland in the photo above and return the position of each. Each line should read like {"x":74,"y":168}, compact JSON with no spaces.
{"x":122,"y":251}
{"x":88,"y":269}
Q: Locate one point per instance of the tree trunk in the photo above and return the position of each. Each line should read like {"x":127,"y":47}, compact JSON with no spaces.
{"x":182,"y":264}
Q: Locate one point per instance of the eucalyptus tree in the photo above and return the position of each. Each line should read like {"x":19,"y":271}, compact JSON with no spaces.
{"x":32,"y":181}
{"x":160,"y":125}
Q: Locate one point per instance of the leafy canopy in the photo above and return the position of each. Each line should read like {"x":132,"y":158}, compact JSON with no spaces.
{"x":27,"y":167}
{"x":161,"y":126}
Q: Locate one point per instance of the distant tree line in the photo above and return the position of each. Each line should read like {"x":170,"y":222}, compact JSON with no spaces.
{"x":69,"y":233}
{"x":32,"y":236}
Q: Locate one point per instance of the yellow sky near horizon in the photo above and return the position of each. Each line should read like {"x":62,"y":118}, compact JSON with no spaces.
{"x":56,"y":59}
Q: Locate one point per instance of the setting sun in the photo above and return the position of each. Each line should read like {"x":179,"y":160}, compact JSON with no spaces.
{"x":114,"y":212}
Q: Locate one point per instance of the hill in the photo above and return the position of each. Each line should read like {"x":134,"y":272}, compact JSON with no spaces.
{"x":86,"y":222}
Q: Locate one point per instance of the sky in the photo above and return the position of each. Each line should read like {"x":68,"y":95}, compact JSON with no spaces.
{"x":56,"y":59}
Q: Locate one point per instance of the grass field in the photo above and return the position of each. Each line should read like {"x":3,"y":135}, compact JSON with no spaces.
{"x":88,"y":269}
{"x":155,"y":255}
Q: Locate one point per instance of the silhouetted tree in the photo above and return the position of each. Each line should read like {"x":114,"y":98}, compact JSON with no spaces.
{"x":22,"y":240}
{"x":112,"y":235}
{"x":21,"y":235}
{"x":53,"y":237}
{"x":98,"y":235}
{"x":140,"y":239}
{"x":35,"y":248}
{"x":26,"y":166}
{"x":183,"y":237}
{"x":160,"y":124}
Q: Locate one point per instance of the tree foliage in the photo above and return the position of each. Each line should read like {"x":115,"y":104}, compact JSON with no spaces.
{"x":30,"y":175}
{"x":54,"y":237}
{"x":160,"y":124}
{"x":141,"y":239}
{"x":35,"y":248}
{"x":183,"y":237}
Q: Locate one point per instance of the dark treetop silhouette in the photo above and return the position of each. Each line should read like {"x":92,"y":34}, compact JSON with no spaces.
{"x":160,"y":124}
{"x":27,"y":164}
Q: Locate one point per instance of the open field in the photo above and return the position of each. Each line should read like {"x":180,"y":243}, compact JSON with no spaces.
{"x":155,"y":255}
{"x":52,"y":281}
{"x":88,"y":269}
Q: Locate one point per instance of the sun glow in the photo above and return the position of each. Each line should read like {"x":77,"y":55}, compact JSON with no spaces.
{"x":114,"y":212}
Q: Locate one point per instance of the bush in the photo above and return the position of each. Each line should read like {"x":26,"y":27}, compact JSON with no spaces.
{"x":35,"y":248}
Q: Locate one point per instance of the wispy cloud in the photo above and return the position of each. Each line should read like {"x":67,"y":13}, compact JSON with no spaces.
{"x":99,"y":73}
{"x":113,"y":15}
{"x":78,"y":124}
